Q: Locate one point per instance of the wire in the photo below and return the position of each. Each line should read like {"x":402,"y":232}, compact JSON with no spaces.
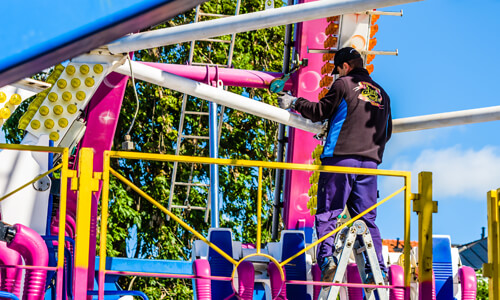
{"x":136,"y":97}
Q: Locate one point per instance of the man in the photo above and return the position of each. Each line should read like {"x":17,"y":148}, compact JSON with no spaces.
{"x":360,"y":123}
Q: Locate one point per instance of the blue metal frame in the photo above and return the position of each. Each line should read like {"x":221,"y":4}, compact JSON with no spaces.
{"x":40,"y":34}
{"x":214,"y":169}
{"x":8,"y":295}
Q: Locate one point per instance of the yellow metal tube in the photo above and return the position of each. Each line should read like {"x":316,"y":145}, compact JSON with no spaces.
{"x":492,"y":269}
{"x":104,"y":225}
{"x":62,"y":223}
{"x":407,"y":245}
{"x":259,"y":211}
{"x":251,"y":163}
{"x":32,"y":148}
{"x":182,"y":223}
{"x":424,"y":206}
{"x":31,"y":182}
{"x":342,"y":226}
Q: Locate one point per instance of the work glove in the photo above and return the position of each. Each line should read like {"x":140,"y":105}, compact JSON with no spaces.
{"x":286,"y":101}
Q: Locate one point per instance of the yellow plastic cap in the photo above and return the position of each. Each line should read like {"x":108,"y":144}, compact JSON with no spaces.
{"x":35,"y":124}
{"x":84,"y":69}
{"x":49,"y":123}
{"x":4,"y":113}
{"x":72,"y":108}
{"x":70,"y":70}
{"x":80,"y":95}
{"x":98,"y":69}
{"x":54,"y":136}
{"x":58,"y":109}
{"x":75,"y":82}
{"x":61,"y":83}
{"x":53,"y":97}
{"x":63,"y":122}
{"x":89,"y":81}
{"x":15,"y":99}
{"x":44,"y":110}
{"x":3,"y":97}
{"x":67,"y":96}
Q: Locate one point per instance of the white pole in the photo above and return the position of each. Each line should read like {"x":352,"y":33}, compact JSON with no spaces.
{"x":247,"y":22}
{"x":455,"y":118}
{"x":219,"y":96}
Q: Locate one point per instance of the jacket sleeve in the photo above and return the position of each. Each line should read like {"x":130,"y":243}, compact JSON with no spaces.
{"x":389,"y":122}
{"x":324,"y":109}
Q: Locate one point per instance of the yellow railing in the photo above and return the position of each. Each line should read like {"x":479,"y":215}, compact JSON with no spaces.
{"x":65,"y":174}
{"x":408,"y":196}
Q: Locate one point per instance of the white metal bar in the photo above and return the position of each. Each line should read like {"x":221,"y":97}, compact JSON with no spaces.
{"x":246,"y":22}
{"x":455,"y":118}
{"x":204,"y":91}
{"x":384,"y":13}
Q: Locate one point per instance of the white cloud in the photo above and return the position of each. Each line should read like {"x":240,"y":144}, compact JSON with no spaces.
{"x":457,"y":172}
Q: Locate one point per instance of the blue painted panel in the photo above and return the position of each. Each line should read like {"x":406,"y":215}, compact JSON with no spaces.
{"x":32,"y":31}
{"x":442,"y":264}
{"x":147,"y":265}
{"x":293,"y":242}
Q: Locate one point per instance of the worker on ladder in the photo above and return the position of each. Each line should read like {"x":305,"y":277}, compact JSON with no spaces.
{"x":359,"y":115}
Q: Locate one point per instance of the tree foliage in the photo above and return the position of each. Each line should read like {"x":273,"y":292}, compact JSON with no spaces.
{"x":243,"y":136}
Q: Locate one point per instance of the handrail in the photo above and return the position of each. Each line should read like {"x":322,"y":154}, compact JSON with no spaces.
{"x":246,"y":163}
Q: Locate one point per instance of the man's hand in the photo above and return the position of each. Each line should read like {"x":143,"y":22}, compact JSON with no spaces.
{"x":286,"y":101}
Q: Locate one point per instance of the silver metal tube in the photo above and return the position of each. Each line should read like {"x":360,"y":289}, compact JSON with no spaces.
{"x":455,"y":118}
{"x":247,"y":22}
{"x":204,"y":91}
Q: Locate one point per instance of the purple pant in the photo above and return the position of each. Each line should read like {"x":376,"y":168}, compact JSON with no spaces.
{"x":358,"y":192}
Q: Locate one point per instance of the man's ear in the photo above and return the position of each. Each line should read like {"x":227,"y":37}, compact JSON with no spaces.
{"x":346,"y":65}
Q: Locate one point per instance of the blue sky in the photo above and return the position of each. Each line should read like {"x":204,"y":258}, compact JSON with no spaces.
{"x":446,"y":63}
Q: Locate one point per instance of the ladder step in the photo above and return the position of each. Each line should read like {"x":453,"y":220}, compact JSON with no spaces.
{"x":195,"y":137}
{"x":214,"y":15}
{"x":208,"y":64}
{"x":203,"y":113}
{"x":191,"y":184}
{"x":190,"y":207}
{"x":215,"y":41}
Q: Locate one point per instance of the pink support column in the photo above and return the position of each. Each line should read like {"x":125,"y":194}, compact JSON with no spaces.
{"x":34,"y":251}
{"x":201,"y":267}
{"x":468,"y":282}
{"x":353,"y":277}
{"x":300,"y":143}
{"x":246,"y":280}
{"x":278,"y":289}
{"x":10,"y":277}
{"x":396,"y":277}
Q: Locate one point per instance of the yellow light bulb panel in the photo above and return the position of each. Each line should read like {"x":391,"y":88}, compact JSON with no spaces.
{"x":69,"y":95}
{"x":313,"y":180}
{"x":10,"y":98}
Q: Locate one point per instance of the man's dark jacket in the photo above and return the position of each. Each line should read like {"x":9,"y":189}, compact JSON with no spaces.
{"x":359,"y":114}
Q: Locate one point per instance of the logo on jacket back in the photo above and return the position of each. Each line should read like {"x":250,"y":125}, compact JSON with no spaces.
{"x":369,"y":93}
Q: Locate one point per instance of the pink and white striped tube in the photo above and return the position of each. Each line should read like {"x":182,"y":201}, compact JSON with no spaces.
{"x":278,"y":289}
{"x":468,"y":282}
{"x":10,"y":277}
{"x":354,"y":277}
{"x":201,"y":267}
{"x":34,"y":251}
{"x":246,"y":280}
{"x":396,"y":277}
{"x":316,"y":274}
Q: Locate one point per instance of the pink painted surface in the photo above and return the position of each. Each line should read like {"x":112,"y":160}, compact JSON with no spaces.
{"x":246,"y":280}
{"x":316,"y":274}
{"x":353,"y":277}
{"x":103,"y":112}
{"x":278,"y":288}
{"x":10,"y":277}
{"x":301,"y":144}
{"x":396,"y":277}
{"x":229,"y":77}
{"x":34,"y":251}
{"x":426,"y":291}
{"x":468,"y":282}
{"x":201,"y":267}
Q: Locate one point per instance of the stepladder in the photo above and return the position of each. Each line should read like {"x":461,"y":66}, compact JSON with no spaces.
{"x":355,"y":241}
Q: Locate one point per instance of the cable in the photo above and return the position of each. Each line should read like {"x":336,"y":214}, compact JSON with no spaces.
{"x":136,"y":97}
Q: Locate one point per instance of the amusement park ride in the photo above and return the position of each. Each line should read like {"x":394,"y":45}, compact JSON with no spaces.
{"x":45,"y":257}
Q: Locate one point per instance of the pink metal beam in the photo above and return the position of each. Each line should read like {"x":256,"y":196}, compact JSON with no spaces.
{"x":229,"y":77}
